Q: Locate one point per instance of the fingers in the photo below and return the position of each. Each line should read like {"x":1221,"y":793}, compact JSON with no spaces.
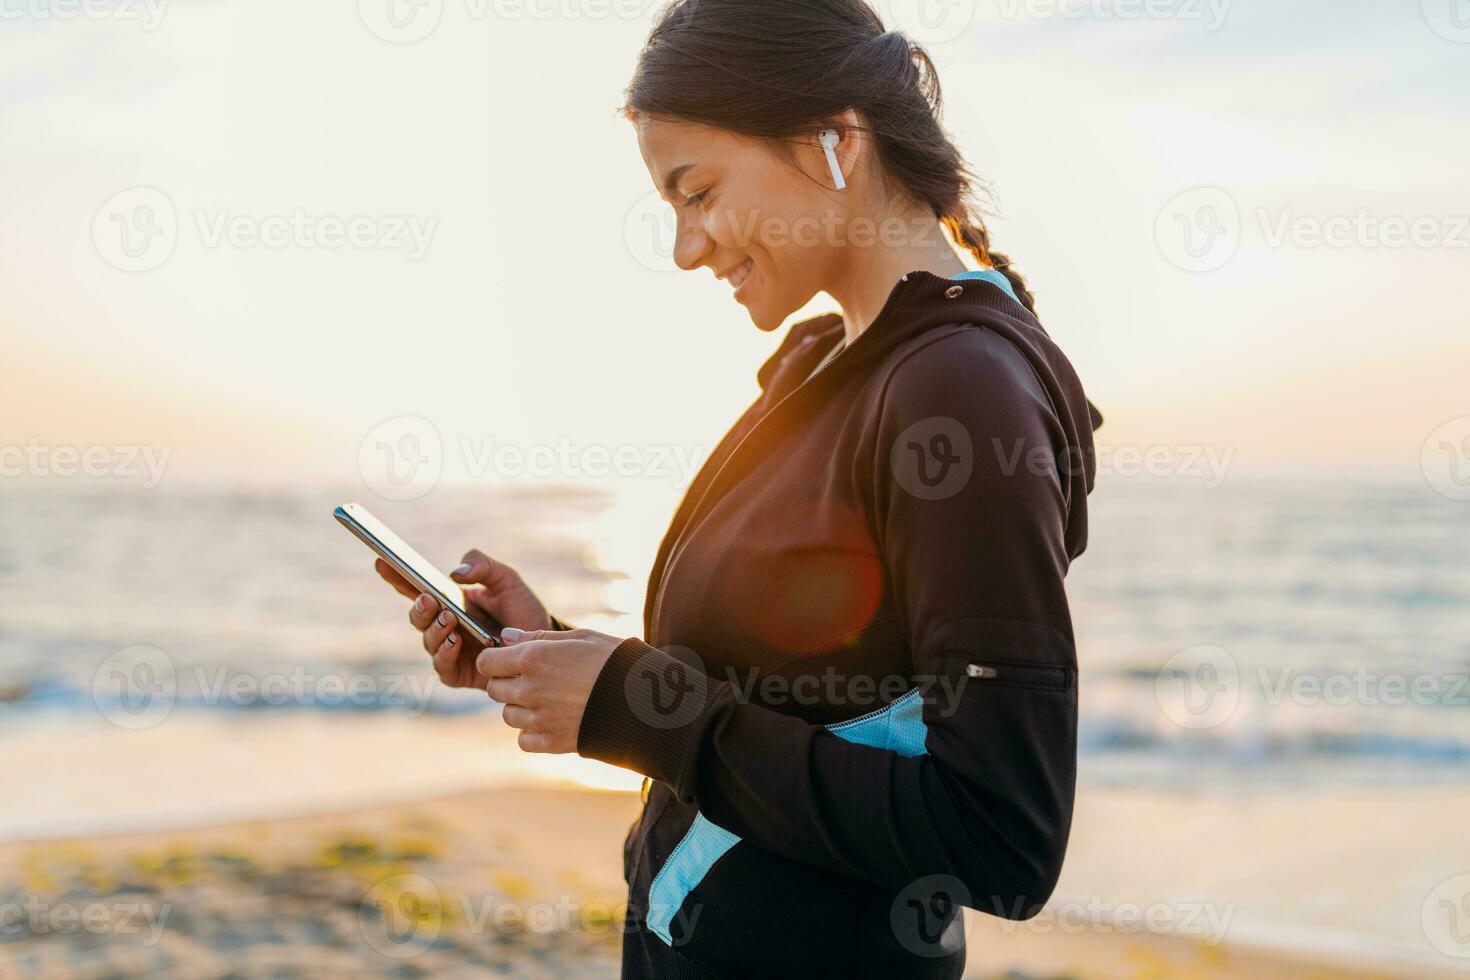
{"x":423,"y":611}
{"x":502,"y":661}
{"x":519,"y":716}
{"x":439,"y":630}
{"x":511,"y":634}
{"x":446,"y":658}
{"x":534,"y":742}
{"x":390,"y":575}
{"x":509,"y":690}
{"x":520,"y":651}
{"x":530,"y":740}
{"x":479,"y":568}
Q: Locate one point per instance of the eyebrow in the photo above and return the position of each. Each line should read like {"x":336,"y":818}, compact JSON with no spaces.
{"x":671,"y":182}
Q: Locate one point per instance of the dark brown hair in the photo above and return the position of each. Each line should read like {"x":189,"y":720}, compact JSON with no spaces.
{"x":779,"y":69}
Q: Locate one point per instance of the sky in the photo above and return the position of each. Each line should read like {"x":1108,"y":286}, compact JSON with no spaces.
{"x":368,"y":215}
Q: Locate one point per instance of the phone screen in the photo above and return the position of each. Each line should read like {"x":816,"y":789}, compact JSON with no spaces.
{"x":399,"y":553}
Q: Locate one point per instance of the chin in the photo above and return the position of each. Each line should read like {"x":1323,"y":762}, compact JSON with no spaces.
{"x":767,"y":320}
{"x":768,"y":315}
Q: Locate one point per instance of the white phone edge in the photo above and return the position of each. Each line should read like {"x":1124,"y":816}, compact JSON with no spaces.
{"x":455,"y":606}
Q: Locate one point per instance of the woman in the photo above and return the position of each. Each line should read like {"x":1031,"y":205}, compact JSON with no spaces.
{"x":856,"y":705}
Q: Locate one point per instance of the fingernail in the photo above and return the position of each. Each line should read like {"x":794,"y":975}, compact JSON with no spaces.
{"x":444,"y":619}
{"x":510,"y":634}
{"x":462,"y":570}
{"x":422,"y":602}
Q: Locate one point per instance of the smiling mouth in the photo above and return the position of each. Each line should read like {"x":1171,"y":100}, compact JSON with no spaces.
{"x":737,"y":276}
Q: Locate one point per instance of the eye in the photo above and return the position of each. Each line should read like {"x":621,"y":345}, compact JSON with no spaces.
{"x":695,"y":200}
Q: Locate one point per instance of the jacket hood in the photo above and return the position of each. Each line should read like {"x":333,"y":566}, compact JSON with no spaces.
{"x":921,"y":301}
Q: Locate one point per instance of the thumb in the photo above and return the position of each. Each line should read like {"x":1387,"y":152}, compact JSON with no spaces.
{"x":512,"y":635}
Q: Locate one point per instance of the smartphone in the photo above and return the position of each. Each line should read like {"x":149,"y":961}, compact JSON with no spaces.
{"x":413,"y":567}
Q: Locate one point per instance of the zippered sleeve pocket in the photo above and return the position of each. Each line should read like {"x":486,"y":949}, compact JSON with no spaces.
{"x":979,"y":669}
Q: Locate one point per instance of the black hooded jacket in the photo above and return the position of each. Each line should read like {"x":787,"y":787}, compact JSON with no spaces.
{"x":857,"y":705}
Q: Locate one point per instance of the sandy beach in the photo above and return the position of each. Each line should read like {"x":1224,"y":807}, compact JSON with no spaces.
{"x":520,"y":882}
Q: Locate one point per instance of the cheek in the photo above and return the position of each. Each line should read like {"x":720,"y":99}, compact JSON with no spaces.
{"x":734,"y":223}
{"x":754,"y":217}
{"x":798,"y":233}
{"x":791,"y":254}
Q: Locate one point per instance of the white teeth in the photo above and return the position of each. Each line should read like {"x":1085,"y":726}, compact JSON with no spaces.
{"x":738,"y":277}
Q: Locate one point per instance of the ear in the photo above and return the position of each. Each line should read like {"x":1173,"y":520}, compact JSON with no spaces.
{"x":852,"y":140}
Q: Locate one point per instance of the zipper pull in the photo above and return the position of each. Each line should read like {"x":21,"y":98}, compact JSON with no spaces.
{"x":980,"y":671}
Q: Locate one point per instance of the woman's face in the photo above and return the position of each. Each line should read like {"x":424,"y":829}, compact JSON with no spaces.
{"x":767,"y":228}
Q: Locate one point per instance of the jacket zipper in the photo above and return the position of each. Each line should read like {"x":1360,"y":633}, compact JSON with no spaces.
{"x":675,"y":551}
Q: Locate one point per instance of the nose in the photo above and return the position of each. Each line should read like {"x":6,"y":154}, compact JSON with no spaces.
{"x":692,"y":242}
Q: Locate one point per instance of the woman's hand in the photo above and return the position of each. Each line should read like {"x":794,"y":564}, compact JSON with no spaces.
{"x":544,"y":680}
{"x":503,"y":595}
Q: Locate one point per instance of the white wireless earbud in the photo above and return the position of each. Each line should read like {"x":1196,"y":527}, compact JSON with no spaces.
{"x":829,"y":138}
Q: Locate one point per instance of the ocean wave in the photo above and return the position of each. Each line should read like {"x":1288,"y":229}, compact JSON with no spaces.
{"x":1124,"y":735}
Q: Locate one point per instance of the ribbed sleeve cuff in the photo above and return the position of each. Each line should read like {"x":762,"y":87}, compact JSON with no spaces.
{"x":648,"y":712}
